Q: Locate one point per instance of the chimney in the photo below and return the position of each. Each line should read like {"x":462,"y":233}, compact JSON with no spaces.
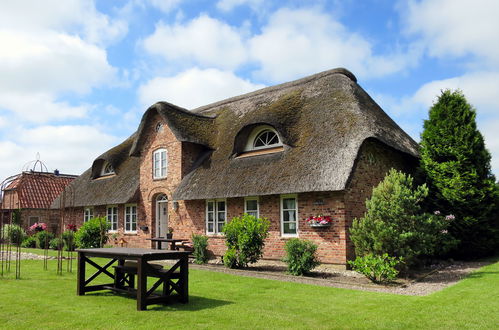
{"x":56,"y":172}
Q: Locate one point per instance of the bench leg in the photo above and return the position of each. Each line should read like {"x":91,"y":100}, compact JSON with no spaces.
{"x":141,"y":285}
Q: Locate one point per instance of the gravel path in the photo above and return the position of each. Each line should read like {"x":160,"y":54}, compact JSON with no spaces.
{"x":432,"y":280}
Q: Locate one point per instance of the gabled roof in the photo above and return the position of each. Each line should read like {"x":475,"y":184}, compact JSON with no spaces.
{"x":120,"y":188}
{"x":37,"y":190}
{"x":322,"y":119}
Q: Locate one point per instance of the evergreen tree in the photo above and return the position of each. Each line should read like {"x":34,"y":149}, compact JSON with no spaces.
{"x":457,"y":169}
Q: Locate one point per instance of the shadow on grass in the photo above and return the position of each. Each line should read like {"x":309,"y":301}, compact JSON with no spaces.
{"x":196,"y":303}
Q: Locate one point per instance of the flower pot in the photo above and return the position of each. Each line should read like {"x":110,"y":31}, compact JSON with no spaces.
{"x":320,"y":225}
{"x":169,"y":235}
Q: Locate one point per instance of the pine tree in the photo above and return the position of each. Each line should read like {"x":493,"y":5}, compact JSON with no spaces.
{"x":457,"y":169}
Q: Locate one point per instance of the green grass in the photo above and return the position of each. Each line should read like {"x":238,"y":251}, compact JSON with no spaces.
{"x":42,"y":299}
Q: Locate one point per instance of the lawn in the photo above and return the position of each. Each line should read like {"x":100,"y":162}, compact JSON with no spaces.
{"x":42,"y":299}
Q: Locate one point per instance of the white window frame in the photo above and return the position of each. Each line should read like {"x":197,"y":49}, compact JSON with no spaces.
{"x":216,"y":221}
{"x":130,"y":218}
{"x":157,"y":164}
{"x":246,"y":199}
{"x":255,"y":133}
{"x":88,"y":213}
{"x":107,"y":169}
{"x":283,"y":197}
{"x":112,"y":218}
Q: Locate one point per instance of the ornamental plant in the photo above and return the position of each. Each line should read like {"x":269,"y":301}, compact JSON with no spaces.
{"x":377,"y":268}
{"x":200,"y":244}
{"x":319,"y":219}
{"x":300,"y":256}
{"x":244,"y":237}
{"x":14,"y":234}
{"x":396,"y":224}
{"x":43,"y":239}
{"x":38,"y":226}
{"x":457,"y":170}
{"x":92,"y":234}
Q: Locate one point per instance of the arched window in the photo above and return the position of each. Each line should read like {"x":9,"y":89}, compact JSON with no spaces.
{"x":263,"y":137}
{"x":107,"y":169}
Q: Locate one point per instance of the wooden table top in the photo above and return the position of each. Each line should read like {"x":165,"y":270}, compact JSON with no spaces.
{"x":131,"y":252}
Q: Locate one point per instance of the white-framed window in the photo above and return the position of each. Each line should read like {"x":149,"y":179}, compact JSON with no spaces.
{"x":88,"y":213}
{"x":159,"y":163}
{"x":289,"y":215}
{"x":251,"y":206}
{"x":130,"y":218}
{"x":263,"y":137}
{"x":216,"y":215}
{"x":112,"y":217}
{"x":107,"y":169}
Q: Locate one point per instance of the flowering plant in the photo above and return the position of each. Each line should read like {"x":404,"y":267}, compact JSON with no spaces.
{"x":72,"y":227}
{"x":319,"y":219}
{"x":38,"y":226}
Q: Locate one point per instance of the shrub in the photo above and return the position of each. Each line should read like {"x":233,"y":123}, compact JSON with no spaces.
{"x":29,"y":242}
{"x":300,"y":256}
{"x":55,"y":243}
{"x":14,"y":234}
{"x":200,"y":244}
{"x":43,"y":239}
{"x":244,"y":237}
{"x":379,"y":269}
{"x":68,"y":238}
{"x":395,"y":223}
{"x":92,"y":234}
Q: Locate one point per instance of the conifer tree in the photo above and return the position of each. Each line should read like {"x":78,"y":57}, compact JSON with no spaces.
{"x":457,"y":169}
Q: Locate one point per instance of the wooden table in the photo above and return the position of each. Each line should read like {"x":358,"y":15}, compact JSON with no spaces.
{"x":143,"y":270}
{"x":172,"y":241}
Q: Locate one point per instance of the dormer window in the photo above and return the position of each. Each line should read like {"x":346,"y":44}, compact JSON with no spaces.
{"x":263,"y":137}
{"x":160,"y":164}
{"x":159,"y":127}
{"x":107,"y":169}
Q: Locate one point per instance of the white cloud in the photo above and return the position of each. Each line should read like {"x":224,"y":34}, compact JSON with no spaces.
{"x":194,"y":88}
{"x":203,"y":40}
{"x":68,"y":148}
{"x":299,"y":42}
{"x":228,"y":5}
{"x":74,"y":16}
{"x":456,"y":27}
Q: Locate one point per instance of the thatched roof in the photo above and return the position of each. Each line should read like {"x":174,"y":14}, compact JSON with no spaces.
{"x":322,"y":120}
{"x":122,"y":187}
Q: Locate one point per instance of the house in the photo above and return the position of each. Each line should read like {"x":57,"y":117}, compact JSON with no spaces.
{"x":28,"y":196}
{"x":313,"y":146}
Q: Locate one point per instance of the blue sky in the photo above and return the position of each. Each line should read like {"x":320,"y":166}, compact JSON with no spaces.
{"x":77,"y":75}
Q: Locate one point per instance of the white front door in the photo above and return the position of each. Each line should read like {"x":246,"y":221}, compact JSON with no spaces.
{"x":161,"y":216}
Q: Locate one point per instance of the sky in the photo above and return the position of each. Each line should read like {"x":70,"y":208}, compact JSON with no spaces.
{"x":77,"y":75}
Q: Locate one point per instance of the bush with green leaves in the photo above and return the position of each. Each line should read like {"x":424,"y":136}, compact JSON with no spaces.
{"x":29,"y":242}
{"x":43,"y":239}
{"x":200,"y":244}
{"x":13,"y":234}
{"x":300,"y":256}
{"x":56,"y":243}
{"x":68,"y":237}
{"x":456,"y":167}
{"x":244,"y":237}
{"x":395,"y":223}
{"x":377,"y":268}
{"x":92,"y":234}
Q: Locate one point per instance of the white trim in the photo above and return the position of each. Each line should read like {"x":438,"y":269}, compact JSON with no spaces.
{"x":161,"y":199}
{"x":158,"y":158}
{"x":114,"y":215}
{"x":130,"y":216}
{"x":295,"y":197}
{"x":88,"y":213}
{"x":255,"y":198}
{"x":216,"y":212}
{"x":254,"y":134}
{"x":107,"y":169}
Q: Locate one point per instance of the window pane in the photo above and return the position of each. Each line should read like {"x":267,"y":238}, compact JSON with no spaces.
{"x":289,"y":204}
{"x":221,"y":216}
{"x":253,"y":213}
{"x":210,"y":206}
{"x":221,"y":206}
{"x":220,"y":226}
{"x":210,"y":227}
{"x":289,"y":228}
{"x":251,"y":205}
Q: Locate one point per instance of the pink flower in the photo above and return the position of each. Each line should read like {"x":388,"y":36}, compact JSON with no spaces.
{"x":437,"y":212}
{"x":450,"y":217}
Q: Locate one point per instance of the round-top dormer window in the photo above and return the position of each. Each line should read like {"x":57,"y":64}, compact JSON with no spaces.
{"x":263,"y":137}
{"x":107,"y":169}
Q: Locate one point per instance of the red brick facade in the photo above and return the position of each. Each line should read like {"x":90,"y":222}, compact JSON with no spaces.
{"x":373,"y":162}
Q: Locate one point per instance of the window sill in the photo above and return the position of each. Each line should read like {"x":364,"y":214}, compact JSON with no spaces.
{"x":260,"y":152}
{"x":289,"y":235}
{"x":159,"y":179}
{"x":130,"y":233}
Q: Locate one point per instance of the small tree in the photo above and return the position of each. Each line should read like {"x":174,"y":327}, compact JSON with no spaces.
{"x":92,"y":234}
{"x":300,"y":256}
{"x":244,"y":237}
{"x":395,"y":224}
{"x":457,"y":169}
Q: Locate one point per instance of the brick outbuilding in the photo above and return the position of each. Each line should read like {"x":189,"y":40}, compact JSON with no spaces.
{"x":314,"y":146}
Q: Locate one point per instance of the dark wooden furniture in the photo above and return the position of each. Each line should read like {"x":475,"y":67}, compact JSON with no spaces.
{"x":172,"y":242}
{"x":124,"y":277}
